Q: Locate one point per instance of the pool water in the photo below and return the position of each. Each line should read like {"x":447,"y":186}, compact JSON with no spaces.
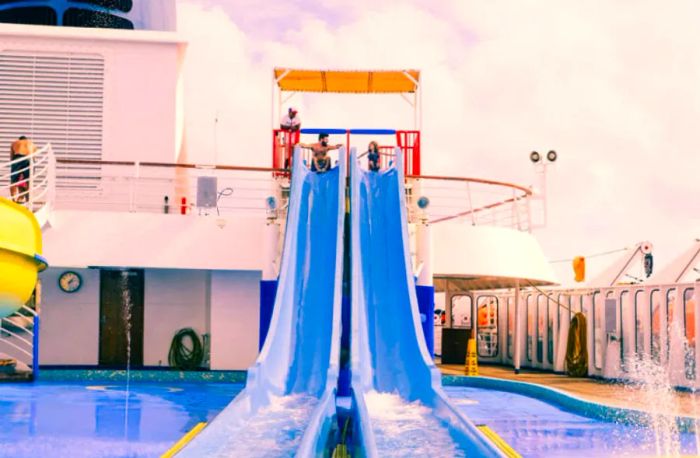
{"x":537,"y":429}
{"x":52,"y":419}
{"x":275,"y":430}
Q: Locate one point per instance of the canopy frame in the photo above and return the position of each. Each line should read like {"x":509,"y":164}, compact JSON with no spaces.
{"x":283,"y":92}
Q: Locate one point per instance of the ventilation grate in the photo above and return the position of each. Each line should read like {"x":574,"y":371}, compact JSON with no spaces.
{"x":56,"y":98}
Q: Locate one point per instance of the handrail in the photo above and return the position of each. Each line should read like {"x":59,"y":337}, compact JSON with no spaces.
{"x":27,"y":319}
{"x":483,"y":201}
{"x":169,"y":164}
{"x":527,"y":191}
{"x":476,"y":210}
{"x":5,"y":319}
{"x":34,"y":188}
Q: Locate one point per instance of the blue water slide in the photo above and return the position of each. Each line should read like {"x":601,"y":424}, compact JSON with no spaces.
{"x":288,"y":405}
{"x":400,"y":407}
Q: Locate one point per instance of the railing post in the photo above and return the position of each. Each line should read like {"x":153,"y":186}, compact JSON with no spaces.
{"x":51,"y":177}
{"x":30,"y":185}
{"x":528,"y":203}
{"x":137,"y":175}
{"x":35,"y":348}
{"x":471,"y":205}
{"x":514,"y":214}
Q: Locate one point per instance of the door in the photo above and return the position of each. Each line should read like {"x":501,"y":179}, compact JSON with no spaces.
{"x":121,"y":317}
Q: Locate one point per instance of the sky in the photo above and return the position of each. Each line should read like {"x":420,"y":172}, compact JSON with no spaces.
{"x":613,"y":87}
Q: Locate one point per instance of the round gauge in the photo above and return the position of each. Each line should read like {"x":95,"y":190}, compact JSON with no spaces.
{"x":70,"y":282}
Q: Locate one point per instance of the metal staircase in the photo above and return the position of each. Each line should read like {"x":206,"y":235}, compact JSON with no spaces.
{"x":19,"y":332}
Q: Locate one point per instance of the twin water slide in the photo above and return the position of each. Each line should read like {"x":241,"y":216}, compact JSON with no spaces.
{"x":288,"y":407}
{"x":400,"y":407}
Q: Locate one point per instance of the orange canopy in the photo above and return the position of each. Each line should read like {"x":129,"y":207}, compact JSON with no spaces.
{"x":348,"y":81}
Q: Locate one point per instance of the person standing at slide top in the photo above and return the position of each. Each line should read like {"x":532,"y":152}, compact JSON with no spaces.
{"x":320,"y":162}
{"x":373,"y":156}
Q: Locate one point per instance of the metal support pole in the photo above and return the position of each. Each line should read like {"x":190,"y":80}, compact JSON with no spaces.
{"x":35,"y":348}
{"x":425,"y":290}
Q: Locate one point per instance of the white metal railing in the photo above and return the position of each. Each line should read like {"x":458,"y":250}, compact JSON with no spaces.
{"x":174,"y":188}
{"x":167,"y":188}
{"x":30,"y":179}
{"x":631,"y":329}
{"x":19,"y":337}
{"x":473,"y":201}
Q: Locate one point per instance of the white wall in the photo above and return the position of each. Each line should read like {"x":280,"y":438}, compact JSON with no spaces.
{"x":482,"y":251}
{"x":69,"y":322}
{"x":174,"y":299}
{"x":140,"y":83}
{"x":235,"y":319}
{"x":154,"y":240}
{"x":228,"y":301}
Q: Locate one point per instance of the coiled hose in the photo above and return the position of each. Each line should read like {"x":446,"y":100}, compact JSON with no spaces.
{"x":183,"y":356}
{"x":577,"y":347}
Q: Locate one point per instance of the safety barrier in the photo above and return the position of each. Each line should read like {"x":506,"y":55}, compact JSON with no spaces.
{"x":631,"y":328}
{"x":283,"y":142}
{"x":38,"y":189}
{"x":173,"y":188}
{"x":19,"y":337}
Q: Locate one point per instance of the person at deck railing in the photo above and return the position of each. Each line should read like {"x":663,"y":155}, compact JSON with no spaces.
{"x":20,"y":170}
{"x":373,"y":156}
{"x":320,"y":162}
{"x":291,"y":121}
{"x":290,"y":125}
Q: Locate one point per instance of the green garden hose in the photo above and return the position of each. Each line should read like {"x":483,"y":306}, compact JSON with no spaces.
{"x":185,"y":356}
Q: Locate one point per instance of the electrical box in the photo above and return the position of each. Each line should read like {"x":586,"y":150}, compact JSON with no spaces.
{"x":206,"y":192}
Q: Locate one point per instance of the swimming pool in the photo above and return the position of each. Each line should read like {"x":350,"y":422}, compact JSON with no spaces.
{"x":537,"y":429}
{"x":88,"y":419}
{"x":76,"y":419}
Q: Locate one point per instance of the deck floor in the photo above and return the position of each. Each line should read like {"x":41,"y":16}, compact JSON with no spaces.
{"x":681,"y":403}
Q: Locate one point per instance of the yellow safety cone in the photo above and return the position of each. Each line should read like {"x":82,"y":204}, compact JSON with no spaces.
{"x":472,"y":366}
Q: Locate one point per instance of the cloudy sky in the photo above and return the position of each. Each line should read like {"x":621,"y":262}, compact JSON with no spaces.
{"x":614,"y":87}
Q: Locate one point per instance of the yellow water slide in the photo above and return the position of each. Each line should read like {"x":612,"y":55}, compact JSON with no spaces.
{"x":20,"y":255}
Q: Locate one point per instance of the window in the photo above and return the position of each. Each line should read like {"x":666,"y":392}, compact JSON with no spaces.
{"x":670,"y":304}
{"x":565,"y":301}
{"x":73,"y":13}
{"x":541,"y":317}
{"x":552,"y":322}
{"x":511,"y":324}
{"x":530,"y":318}
{"x":689,"y":328}
{"x":655,"y":315}
{"x":625,"y":335}
{"x":461,"y":311}
{"x":639,"y":343}
{"x":598,"y":301}
{"x":487,"y":326}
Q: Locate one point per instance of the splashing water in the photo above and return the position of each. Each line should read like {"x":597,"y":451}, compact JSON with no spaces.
{"x":653,"y":383}
{"x":126,"y":315}
{"x":406,"y":428}
{"x":652,"y":386}
{"x":274,"y":431}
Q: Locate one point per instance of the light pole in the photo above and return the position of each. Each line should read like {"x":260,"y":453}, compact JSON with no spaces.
{"x":541,"y":171}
